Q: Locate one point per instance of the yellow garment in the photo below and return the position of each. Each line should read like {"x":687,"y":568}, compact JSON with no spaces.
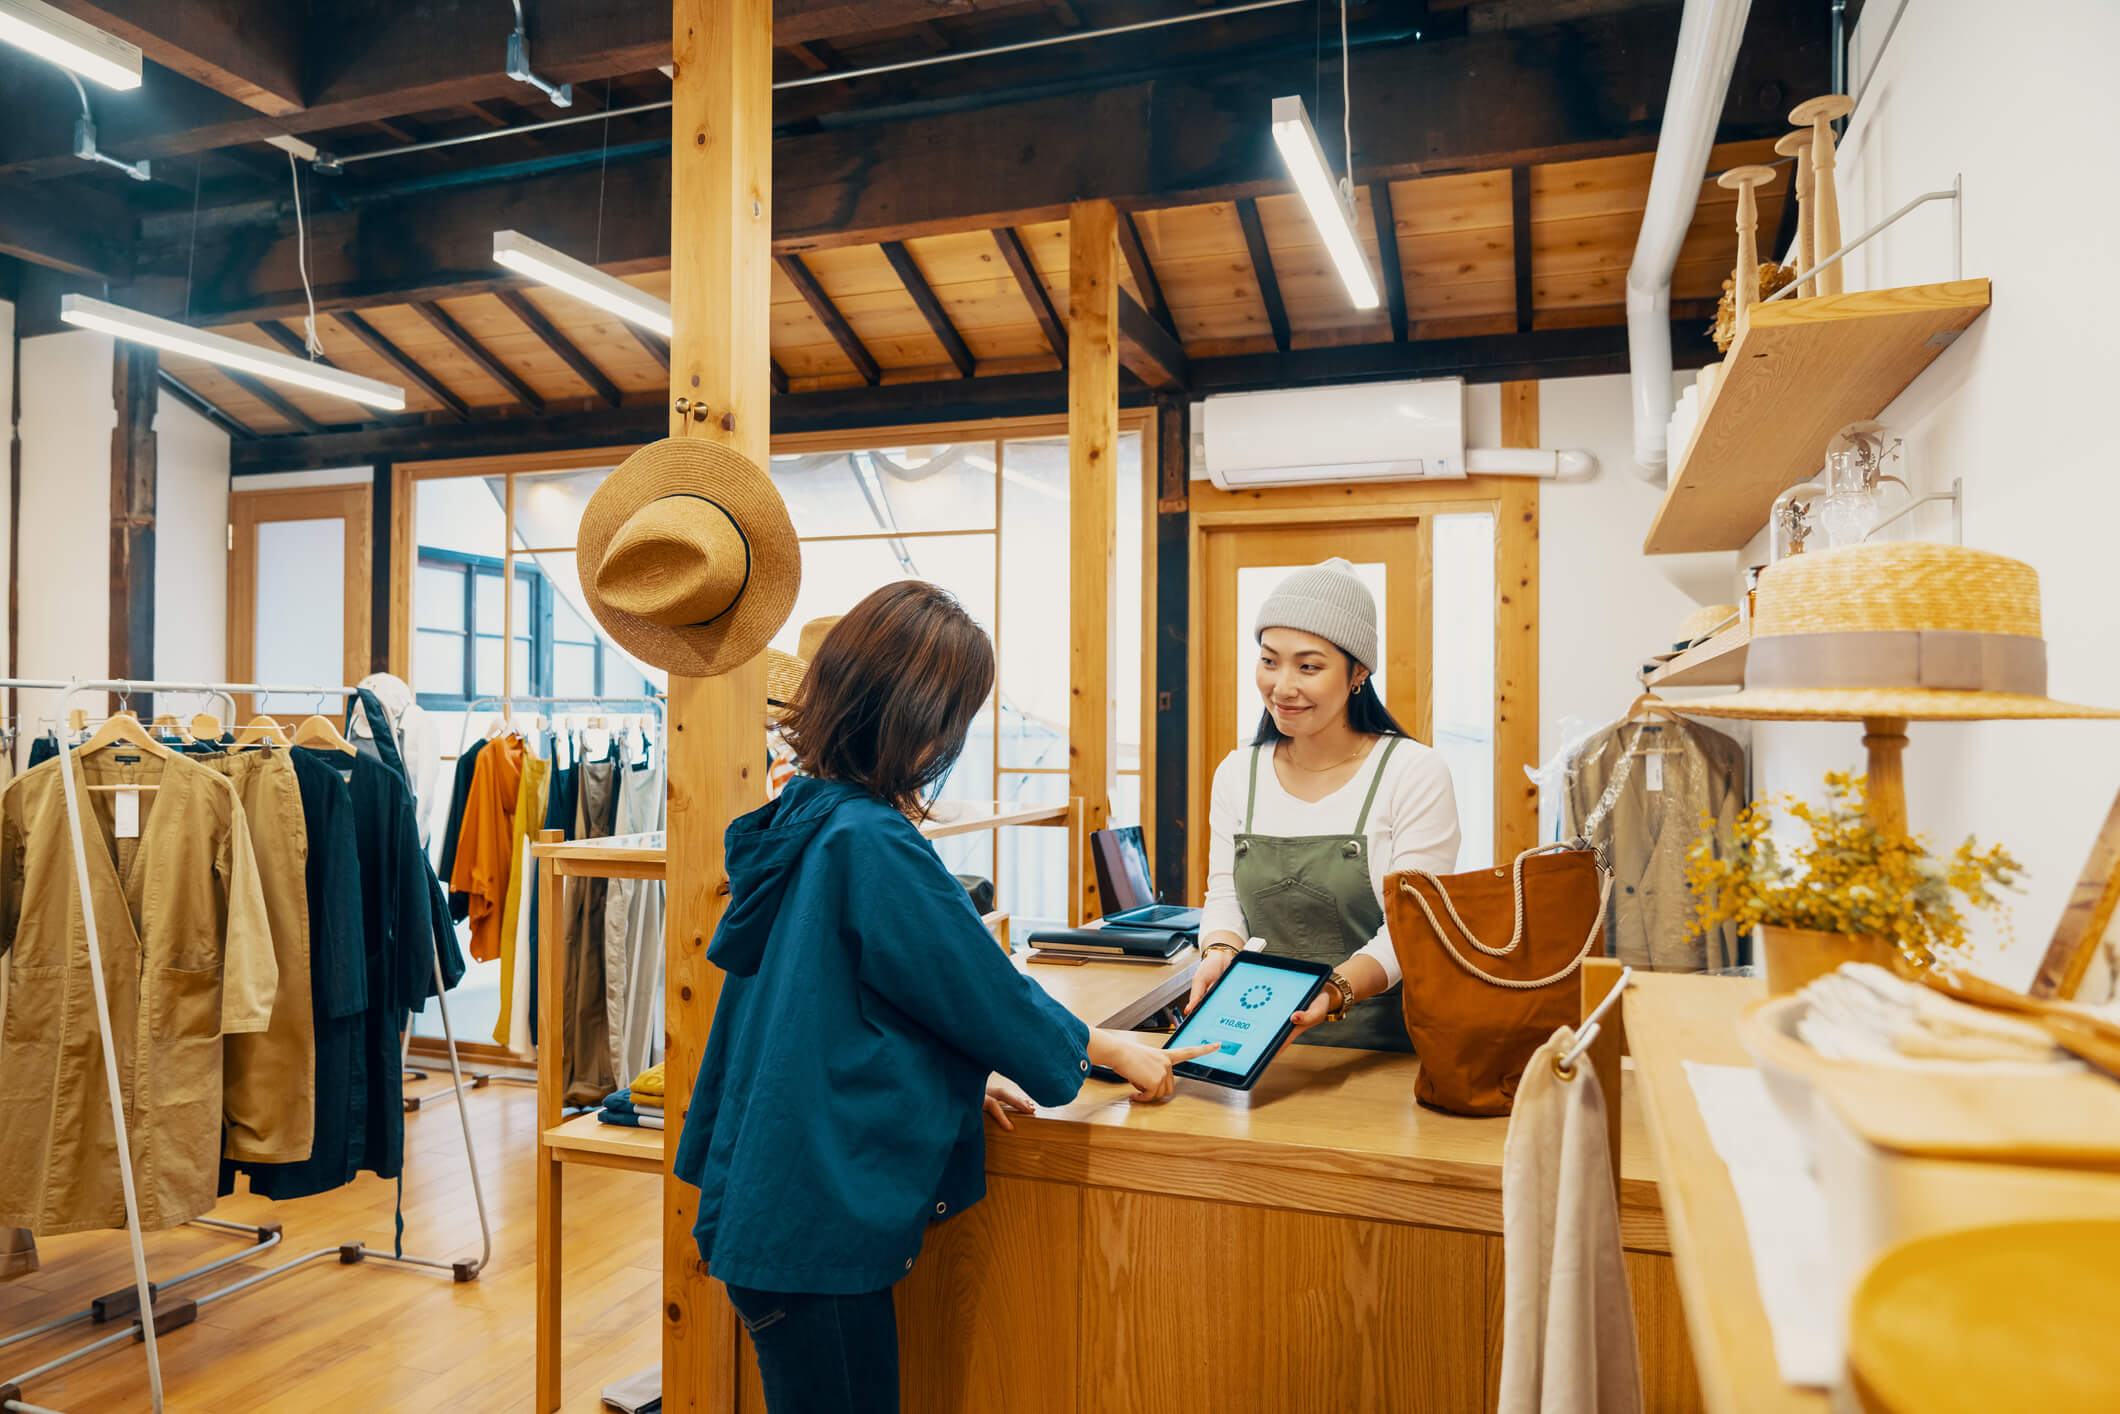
{"x":483,"y":862}
{"x":187,"y":953}
{"x":529,"y":817}
{"x":648,"y":1085}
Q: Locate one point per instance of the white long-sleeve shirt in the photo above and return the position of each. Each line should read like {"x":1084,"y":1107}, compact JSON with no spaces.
{"x":1412,"y":825}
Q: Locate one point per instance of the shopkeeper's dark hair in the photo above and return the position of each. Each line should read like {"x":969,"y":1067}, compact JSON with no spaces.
{"x":887,"y":701}
{"x":1366,"y":712}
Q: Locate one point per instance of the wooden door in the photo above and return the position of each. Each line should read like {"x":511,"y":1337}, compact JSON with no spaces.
{"x":1242,"y":566}
{"x":298,"y":593}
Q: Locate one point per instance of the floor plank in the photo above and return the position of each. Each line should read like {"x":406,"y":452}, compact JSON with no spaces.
{"x":327,"y":1338}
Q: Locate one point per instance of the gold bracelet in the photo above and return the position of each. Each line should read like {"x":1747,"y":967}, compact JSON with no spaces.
{"x":1339,"y":983}
{"x":1231,"y":948}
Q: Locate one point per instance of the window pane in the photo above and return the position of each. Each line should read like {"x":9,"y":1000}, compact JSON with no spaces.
{"x":1126,"y":799}
{"x":1464,"y":675}
{"x":489,"y":600}
{"x":297,"y":638}
{"x":836,"y":575}
{"x":438,"y":662}
{"x":548,"y":505}
{"x":971,"y":778}
{"x":438,"y":598}
{"x":1035,"y":599}
{"x":1255,"y":582}
{"x":621,"y":678}
{"x":1126,"y":605}
{"x":567,"y":625}
{"x":1032,"y":880}
{"x":521,"y":668}
{"x":893,"y":488}
{"x":573,"y":670}
{"x":487,"y":657}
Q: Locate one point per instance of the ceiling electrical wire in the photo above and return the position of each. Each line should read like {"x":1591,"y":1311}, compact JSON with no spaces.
{"x":301,"y":247}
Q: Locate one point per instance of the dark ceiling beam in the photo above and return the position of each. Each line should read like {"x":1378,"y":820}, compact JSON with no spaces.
{"x":828,"y":315}
{"x":938,"y":318}
{"x":490,"y":365}
{"x":657,"y":346}
{"x":1144,"y":270}
{"x":204,"y":407}
{"x":1552,"y":353}
{"x":47,"y":228}
{"x":1387,"y":226}
{"x":290,"y":341}
{"x":584,"y":367}
{"x":777,"y":374}
{"x":270,"y":396}
{"x":1150,"y":351}
{"x":1019,"y":264}
{"x":1520,"y":225}
{"x":1262,"y":271}
{"x":247,"y":50}
{"x":394,"y":356}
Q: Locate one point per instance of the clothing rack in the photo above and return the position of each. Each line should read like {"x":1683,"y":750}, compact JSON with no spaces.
{"x":144,"y":1290}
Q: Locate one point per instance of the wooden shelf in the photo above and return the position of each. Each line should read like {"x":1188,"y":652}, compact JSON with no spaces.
{"x":1720,"y":662}
{"x":1803,"y":369}
{"x":585,"y":1139}
{"x":964,"y":817}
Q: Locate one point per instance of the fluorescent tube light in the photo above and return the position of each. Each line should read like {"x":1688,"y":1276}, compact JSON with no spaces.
{"x":578,"y":278}
{"x":113,"y":319}
{"x":57,"y":36}
{"x":1330,"y":210}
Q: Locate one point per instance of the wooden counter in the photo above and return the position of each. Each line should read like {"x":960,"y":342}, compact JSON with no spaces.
{"x":1321,"y":1243}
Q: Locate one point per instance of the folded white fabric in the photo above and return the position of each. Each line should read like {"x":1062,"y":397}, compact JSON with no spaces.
{"x":1864,"y":1013}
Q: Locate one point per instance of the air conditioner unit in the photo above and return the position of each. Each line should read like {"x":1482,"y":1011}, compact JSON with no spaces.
{"x":1312,"y":436}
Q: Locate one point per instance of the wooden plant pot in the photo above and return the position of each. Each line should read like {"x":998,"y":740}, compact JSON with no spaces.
{"x":1792,"y":958}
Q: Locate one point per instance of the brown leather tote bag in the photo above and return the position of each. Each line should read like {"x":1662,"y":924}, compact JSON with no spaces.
{"x":1476,"y":1012}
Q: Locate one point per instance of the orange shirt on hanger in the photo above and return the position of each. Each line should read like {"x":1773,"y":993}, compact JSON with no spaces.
{"x":484,"y":847}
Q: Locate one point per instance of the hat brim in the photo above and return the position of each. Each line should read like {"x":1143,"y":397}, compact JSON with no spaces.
{"x":1853,"y":704}
{"x":697,"y":466}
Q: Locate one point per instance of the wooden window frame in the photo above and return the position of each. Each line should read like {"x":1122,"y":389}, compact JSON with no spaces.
{"x":351,"y":502}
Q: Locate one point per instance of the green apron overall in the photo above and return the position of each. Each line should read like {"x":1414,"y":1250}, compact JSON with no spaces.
{"x":1310,"y":897}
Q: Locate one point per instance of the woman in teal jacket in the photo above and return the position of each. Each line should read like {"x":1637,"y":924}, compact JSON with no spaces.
{"x":838,"y":1110}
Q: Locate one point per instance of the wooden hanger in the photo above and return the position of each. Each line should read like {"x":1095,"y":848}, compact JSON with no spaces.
{"x":205,"y":727}
{"x":322,"y":733}
{"x":262,"y":729}
{"x":124,"y":729}
{"x":1646,"y":710}
{"x":168,"y":722}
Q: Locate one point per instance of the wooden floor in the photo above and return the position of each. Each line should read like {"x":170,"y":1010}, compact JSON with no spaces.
{"x":328,"y":1339}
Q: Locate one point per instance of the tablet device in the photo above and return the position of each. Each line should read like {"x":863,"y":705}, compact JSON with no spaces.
{"x":1247,"y":1014}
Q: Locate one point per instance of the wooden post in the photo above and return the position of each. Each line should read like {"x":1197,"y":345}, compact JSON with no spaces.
{"x":1886,"y":739}
{"x":1798,"y":146}
{"x":1744,"y":283}
{"x":551,"y":1173}
{"x":1819,"y":114}
{"x":721,"y":213}
{"x":381,"y":586}
{"x":1516,"y":708}
{"x":1171,"y":640}
{"x":134,"y":387}
{"x":1093,"y":485}
{"x":1599,"y":976}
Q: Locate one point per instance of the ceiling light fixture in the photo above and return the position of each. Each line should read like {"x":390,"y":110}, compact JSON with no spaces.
{"x":582,"y":280}
{"x":53,"y":34}
{"x":1331,"y":201}
{"x":86,"y":313}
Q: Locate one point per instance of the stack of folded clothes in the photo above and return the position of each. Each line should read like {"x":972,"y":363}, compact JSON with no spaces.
{"x":639,"y":1105}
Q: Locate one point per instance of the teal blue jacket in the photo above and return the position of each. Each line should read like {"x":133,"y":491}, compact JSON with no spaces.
{"x":838,"y":1109}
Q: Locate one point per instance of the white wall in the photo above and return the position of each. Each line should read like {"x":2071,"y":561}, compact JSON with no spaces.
{"x":2012,"y":407}
{"x":191,"y":545}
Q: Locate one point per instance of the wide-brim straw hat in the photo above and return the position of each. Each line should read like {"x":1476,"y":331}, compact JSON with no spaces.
{"x":785,"y":671}
{"x":1928,"y":632}
{"x":688,"y":558}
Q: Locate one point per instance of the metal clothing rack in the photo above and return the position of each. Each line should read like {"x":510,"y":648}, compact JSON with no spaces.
{"x":143,"y":1293}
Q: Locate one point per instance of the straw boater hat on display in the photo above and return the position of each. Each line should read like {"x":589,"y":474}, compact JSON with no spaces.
{"x":785,"y":671}
{"x":1928,"y":632}
{"x":688,"y":558}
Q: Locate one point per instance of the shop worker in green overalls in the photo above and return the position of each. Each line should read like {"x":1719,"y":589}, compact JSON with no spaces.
{"x":1331,"y":796}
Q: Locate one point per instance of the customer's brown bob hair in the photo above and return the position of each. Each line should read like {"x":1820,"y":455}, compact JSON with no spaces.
{"x":887,"y":701}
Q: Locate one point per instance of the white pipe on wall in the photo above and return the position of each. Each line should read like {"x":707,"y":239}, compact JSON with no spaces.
{"x":1708,"y":37}
{"x":1569,"y":465}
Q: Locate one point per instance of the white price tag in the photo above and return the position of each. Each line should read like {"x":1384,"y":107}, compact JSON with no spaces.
{"x":1655,"y":777}
{"x":126,"y":811}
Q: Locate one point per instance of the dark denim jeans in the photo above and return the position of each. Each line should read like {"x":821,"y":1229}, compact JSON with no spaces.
{"x":823,"y":1354}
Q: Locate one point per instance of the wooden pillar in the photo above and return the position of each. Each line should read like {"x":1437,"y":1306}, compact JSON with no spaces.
{"x":1886,"y":740}
{"x":721,"y":213}
{"x":1172,"y":641}
{"x":134,"y":388}
{"x":1516,"y":591}
{"x":381,"y":585}
{"x":1093,"y":469}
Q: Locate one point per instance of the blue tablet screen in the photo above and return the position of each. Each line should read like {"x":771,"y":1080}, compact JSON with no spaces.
{"x":1243,"y":1014}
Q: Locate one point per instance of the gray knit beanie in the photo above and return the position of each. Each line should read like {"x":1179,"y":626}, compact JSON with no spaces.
{"x":1330,"y":601}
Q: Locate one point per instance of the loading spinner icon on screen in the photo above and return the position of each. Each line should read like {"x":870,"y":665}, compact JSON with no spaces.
{"x":1255,"y":997}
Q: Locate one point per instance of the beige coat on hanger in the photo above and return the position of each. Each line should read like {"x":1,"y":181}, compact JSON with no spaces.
{"x":187,"y":957}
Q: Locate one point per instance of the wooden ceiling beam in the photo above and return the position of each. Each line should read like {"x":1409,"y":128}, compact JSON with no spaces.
{"x":1019,"y":264}
{"x":828,"y":315}
{"x":290,"y":341}
{"x":394,"y":356}
{"x":1262,"y":271}
{"x":584,"y":367}
{"x":1520,"y":226}
{"x":1147,"y":349}
{"x":1548,"y":353}
{"x":265,"y":393}
{"x":657,"y":346}
{"x":205,"y":407}
{"x":777,"y":374}
{"x":247,"y":50}
{"x":1144,"y":270}
{"x":45,"y":229}
{"x":488,"y":363}
{"x":938,"y":318}
{"x":1387,"y":226}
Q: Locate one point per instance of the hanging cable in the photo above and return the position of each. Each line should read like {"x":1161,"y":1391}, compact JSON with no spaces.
{"x":301,"y":248}
{"x":1346,"y":101}
{"x":191,"y":256}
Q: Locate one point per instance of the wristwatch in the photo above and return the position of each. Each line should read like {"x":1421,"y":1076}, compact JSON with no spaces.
{"x":1339,"y":983}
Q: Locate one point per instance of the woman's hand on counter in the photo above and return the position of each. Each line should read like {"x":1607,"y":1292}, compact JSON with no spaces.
{"x":1004,"y":1095}
{"x":1146,"y":1068}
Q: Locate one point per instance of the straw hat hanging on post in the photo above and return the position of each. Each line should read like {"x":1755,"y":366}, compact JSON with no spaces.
{"x":688,"y":558}
{"x":785,"y":671}
{"x":1894,"y":633}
